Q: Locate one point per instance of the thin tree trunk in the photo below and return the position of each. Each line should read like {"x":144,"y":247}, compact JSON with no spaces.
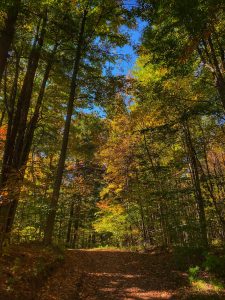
{"x":220,"y":80}
{"x":70,"y":106}
{"x":209,"y":185}
{"x":76,"y":223}
{"x":197,"y":185}
{"x":69,"y":227}
{"x":163,"y":222}
{"x":2,"y":117}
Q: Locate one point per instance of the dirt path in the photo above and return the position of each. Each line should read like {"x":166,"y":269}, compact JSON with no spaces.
{"x":121,"y":275}
{"x":115,"y":275}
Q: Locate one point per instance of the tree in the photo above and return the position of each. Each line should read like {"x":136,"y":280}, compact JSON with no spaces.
{"x":10,"y":14}
{"x":175,"y":40}
{"x":23,"y":111}
{"x":90,"y":30}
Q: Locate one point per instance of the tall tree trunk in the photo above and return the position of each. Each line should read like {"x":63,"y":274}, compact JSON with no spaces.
{"x":210,"y":59}
{"x":21,"y":114}
{"x":220,"y":80}
{"x":197,"y":185}
{"x":17,"y":128}
{"x":2,"y":117}
{"x":28,"y":139}
{"x":69,"y":227}
{"x":210,"y":185}
{"x":142,"y":215}
{"x":163,"y":223}
{"x":29,"y":134}
{"x":70,"y":106}
{"x":7,"y":34}
{"x":13,"y":168}
{"x":76,"y":222}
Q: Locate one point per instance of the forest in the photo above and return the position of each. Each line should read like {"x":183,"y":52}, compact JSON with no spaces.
{"x":112,"y":138}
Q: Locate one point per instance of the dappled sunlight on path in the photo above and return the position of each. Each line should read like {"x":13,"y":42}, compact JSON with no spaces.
{"x":127,"y":275}
{"x":116,"y":275}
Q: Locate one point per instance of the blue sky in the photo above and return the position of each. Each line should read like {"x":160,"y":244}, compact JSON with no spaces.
{"x":124,"y":66}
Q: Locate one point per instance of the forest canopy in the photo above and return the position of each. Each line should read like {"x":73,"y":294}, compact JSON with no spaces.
{"x":92,"y":156}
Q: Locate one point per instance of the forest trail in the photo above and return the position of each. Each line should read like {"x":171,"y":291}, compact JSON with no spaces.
{"x":116,"y":275}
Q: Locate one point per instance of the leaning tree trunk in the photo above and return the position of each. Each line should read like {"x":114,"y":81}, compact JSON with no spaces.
{"x":70,"y":106}
{"x":214,"y":60}
{"x":14,"y":165}
{"x":209,"y":184}
{"x":220,"y":79}
{"x":28,"y":139}
{"x":7,"y":34}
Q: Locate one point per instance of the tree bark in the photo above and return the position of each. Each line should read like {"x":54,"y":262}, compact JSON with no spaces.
{"x":17,"y":128}
{"x":210,"y":59}
{"x":76,"y":223}
{"x":210,"y":185}
{"x":163,"y":223}
{"x":68,"y":235}
{"x":7,"y":34}
{"x":220,"y":80}
{"x":197,"y":185}
{"x":70,"y":106}
{"x":13,"y":168}
{"x":29,"y":134}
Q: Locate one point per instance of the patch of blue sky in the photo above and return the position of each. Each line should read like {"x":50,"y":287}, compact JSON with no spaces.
{"x":93,"y":109}
{"x":127,"y":56}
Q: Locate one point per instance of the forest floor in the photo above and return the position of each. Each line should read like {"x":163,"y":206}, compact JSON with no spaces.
{"x":120,"y":275}
{"x":25,"y":268}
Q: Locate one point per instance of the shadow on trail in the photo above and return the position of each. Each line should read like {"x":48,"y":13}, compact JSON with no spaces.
{"x":126,"y":275}
{"x":119,"y":275}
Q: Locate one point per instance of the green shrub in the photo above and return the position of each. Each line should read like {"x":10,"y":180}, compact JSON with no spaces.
{"x":193,"y":273}
{"x":215,"y":264}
